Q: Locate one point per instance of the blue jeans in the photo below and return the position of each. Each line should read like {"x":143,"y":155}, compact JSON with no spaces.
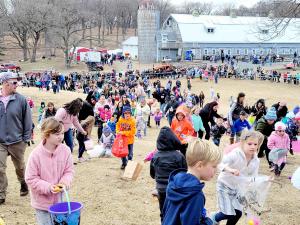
{"x":170,"y":118}
{"x":130,"y":155}
{"x":216,"y":141}
{"x":231,"y":219}
{"x":68,"y":138}
{"x":43,"y":217}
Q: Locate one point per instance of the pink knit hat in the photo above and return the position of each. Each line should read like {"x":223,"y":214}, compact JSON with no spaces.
{"x":280,"y":126}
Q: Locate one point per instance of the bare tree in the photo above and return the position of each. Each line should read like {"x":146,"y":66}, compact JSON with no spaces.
{"x":68,"y":26}
{"x":202,"y":8}
{"x":281,"y":14}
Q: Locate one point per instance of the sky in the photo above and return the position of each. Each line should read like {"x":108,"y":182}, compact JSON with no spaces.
{"x":247,"y":3}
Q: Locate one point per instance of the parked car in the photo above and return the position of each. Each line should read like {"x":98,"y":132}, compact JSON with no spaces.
{"x":11,"y":66}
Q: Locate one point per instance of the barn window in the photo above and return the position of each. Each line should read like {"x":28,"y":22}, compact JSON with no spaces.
{"x":205,"y":51}
{"x":213,"y":51}
{"x":264,"y":31}
{"x":210,"y":30}
{"x":246,"y":51}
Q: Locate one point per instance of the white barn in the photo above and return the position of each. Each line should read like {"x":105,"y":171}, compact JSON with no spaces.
{"x":207,"y":35}
{"x":130,"y":46}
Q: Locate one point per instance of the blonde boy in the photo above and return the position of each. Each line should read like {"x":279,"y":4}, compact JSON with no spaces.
{"x":185,"y":200}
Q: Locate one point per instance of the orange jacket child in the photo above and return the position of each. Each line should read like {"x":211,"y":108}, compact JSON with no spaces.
{"x":181,"y":126}
{"x":127,"y":128}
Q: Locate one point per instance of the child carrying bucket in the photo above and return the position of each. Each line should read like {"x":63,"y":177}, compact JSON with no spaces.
{"x":49,"y":170}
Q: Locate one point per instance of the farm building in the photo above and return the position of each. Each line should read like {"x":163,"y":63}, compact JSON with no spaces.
{"x":130,"y":46}
{"x":207,"y":35}
{"x":183,"y":35}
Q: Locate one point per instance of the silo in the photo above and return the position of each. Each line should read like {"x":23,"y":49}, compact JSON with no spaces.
{"x":148,"y":28}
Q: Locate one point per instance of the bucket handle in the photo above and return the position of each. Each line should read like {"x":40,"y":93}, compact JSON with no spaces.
{"x":67,"y":198}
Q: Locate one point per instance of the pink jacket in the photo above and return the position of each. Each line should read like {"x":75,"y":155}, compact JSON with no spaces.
{"x":45,"y":169}
{"x":68,"y":120}
{"x":104,"y":115}
{"x":277,"y":142}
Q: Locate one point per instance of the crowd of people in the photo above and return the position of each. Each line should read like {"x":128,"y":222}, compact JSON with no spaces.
{"x":127,"y":108}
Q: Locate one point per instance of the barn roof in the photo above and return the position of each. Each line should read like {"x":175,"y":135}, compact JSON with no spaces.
{"x":132,"y":41}
{"x":229,"y":29}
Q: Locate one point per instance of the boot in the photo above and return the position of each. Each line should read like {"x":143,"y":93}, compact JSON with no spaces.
{"x":231,"y":140}
{"x":24,"y":189}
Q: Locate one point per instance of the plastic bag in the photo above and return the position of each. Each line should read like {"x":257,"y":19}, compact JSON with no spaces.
{"x":89,"y":145}
{"x":96,"y":152}
{"x":296,"y":179}
{"x":120,"y":146}
{"x":252,"y":193}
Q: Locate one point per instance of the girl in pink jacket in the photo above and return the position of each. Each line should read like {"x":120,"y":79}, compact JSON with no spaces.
{"x":49,"y":169}
{"x":279,"y":144}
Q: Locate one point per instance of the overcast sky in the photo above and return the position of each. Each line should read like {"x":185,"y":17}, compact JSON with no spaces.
{"x":247,"y":3}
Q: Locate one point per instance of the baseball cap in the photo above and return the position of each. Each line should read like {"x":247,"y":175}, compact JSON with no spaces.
{"x":9,"y":75}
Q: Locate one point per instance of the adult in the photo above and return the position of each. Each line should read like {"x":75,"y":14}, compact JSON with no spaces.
{"x":140,"y":92}
{"x":281,"y":109}
{"x":234,"y":112}
{"x":265,"y":125}
{"x":201,"y":99}
{"x":68,"y":115}
{"x":258,"y":110}
{"x":87,"y":108}
{"x":16,"y":126}
{"x":208,"y":113}
{"x":171,"y":108}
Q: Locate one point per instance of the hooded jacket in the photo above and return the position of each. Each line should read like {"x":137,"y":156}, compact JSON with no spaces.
{"x":184,"y":204}
{"x":167,"y":158}
{"x":182,"y":128}
{"x":276,"y":141}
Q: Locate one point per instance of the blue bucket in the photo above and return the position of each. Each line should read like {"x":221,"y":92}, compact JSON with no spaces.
{"x":66,"y":213}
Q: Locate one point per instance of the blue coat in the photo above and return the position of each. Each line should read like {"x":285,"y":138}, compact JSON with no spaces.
{"x":184,"y":204}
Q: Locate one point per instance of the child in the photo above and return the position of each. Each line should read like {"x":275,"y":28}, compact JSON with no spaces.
{"x":105,"y":113}
{"x":241,"y":124}
{"x":112,"y":123}
{"x":185,"y":200}
{"x":41,"y":111}
{"x":49,"y":169}
{"x":126,"y":126}
{"x":293,"y":129}
{"x":279,"y":144}
{"x":240,"y":162}
{"x":140,"y":124}
{"x":197,"y":122}
{"x":87,"y":125}
{"x":165,"y":160}
{"x":217,"y":131}
{"x":181,"y":126}
{"x":50,"y":111}
{"x":107,"y":139}
{"x":157,"y":117}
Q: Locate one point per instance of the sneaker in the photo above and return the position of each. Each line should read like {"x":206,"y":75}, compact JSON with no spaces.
{"x":81,"y":160}
{"x":24,"y":189}
{"x":123,"y":167}
{"x":2,"y":201}
{"x":213,"y":219}
{"x":154,"y":193}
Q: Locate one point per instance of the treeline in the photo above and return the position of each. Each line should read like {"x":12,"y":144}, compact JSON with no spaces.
{"x":62,"y":24}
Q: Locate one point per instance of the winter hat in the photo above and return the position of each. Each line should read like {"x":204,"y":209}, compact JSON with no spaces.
{"x":297,"y":117}
{"x":126,"y":109}
{"x":106,"y":129}
{"x":271,"y":114}
{"x":107,"y":107}
{"x":280,"y":126}
{"x":296,"y":109}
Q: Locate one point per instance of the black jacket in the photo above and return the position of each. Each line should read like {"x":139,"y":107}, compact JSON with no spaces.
{"x":280,"y":112}
{"x":208,"y":114}
{"x":86,"y":110}
{"x":172,"y":106}
{"x":167,"y":159}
